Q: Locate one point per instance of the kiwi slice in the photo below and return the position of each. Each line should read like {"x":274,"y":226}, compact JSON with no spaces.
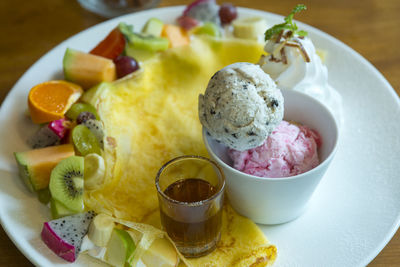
{"x":66,"y":183}
{"x":148,"y":42}
{"x":77,"y":108}
{"x":85,"y":141}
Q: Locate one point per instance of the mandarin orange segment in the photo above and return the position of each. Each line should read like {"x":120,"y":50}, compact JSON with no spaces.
{"x":49,"y":101}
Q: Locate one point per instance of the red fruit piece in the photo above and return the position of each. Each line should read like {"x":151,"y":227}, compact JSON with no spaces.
{"x":125,"y":65}
{"x":112,"y":46}
{"x":60,"y":127}
{"x":194,"y":4}
{"x":187,"y":22}
{"x":227,"y":13}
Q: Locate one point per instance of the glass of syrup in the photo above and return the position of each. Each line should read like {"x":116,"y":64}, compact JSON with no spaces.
{"x":191,"y":194}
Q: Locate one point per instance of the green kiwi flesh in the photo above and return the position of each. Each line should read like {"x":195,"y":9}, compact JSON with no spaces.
{"x":66,"y":183}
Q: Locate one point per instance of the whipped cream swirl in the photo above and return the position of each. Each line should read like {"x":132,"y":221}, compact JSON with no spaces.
{"x":294,"y":64}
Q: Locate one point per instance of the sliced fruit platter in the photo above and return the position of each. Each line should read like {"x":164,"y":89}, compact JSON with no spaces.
{"x":67,"y":151}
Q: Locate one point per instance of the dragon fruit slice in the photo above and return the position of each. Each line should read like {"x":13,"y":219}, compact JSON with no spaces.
{"x":64,"y":236}
{"x":44,"y":137}
{"x":60,"y":127}
{"x":203,"y":10}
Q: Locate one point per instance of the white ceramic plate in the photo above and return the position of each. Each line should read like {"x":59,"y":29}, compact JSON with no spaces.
{"x":354,"y":212}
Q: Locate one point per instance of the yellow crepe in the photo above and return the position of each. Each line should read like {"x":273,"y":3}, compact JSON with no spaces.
{"x":151,"y":118}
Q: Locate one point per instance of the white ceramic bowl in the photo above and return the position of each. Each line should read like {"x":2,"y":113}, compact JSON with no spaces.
{"x":279,"y":200}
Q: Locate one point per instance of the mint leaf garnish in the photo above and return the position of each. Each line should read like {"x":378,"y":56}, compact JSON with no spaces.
{"x":287,"y":25}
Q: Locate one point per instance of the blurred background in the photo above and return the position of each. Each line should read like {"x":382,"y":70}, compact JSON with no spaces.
{"x":31,"y":28}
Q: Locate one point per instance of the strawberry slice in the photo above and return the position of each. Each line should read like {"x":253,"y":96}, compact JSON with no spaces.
{"x":112,"y":46}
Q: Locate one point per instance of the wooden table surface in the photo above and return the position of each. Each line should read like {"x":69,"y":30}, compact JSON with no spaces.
{"x":31,"y":28}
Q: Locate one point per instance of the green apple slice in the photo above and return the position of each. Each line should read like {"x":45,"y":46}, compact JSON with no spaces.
{"x":153,"y":27}
{"x":119,"y":248}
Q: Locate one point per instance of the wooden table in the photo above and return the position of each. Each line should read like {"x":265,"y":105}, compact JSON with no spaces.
{"x":31,"y":28}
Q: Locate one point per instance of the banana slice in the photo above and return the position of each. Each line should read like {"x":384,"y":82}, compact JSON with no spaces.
{"x":100,"y":229}
{"x":249,"y":28}
{"x":94,"y":171}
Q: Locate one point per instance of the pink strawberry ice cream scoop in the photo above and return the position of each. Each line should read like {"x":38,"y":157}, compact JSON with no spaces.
{"x":290,"y":150}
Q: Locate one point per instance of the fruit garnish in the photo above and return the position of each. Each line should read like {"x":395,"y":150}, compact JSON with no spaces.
{"x":43,"y":137}
{"x":148,"y":43}
{"x":64,"y":236}
{"x":161,"y":253}
{"x":143,"y":42}
{"x":287,"y":25}
{"x":187,"y":23}
{"x":44,"y":195}
{"x":96,"y":127}
{"x":249,"y":28}
{"x":112,"y":46}
{"x":203,"y":10}
{"x":66,"y":183}
{"x":60,"y":127}
{"x":84,"y":116}
{"x":125,"y":29}
{"x":50,"y":100}
{"x":100,"y":229}
{"x":153,"y":27}
{"x":94,"y":171}
{"x":86,"y":69}
{"x":77,"y":108}
{"x":35,"y":165}
{"x":58,"y":210}
{"x":227,"y":13}
{"x":85,"y":141}
{"x":208,"y":28}
{"x":119,"y":248}
{"x":125,"y":65}
{"x":176,"y":35}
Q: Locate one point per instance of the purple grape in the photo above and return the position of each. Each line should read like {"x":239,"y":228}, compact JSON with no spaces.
{"x":84,"y":116}
{"x":227,"y":13}
{"x":125,"y":65}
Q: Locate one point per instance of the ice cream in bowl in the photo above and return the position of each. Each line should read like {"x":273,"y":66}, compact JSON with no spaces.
{"x":273,"y":145}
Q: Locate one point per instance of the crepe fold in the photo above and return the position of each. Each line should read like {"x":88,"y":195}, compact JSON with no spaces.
{"x":150,"y":118}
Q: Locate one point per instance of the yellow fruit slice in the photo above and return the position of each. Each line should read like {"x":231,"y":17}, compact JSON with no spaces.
{"x":49,"y":101}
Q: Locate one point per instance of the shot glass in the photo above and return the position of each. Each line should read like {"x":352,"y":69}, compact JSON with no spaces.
{"x":191,"y":193}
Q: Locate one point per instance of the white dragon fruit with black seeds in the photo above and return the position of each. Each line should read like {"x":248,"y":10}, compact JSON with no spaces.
{"x":64,"y":236}
{"x":203,"y":10}
{"x":96,"y":127}
{"x":44,"y":137}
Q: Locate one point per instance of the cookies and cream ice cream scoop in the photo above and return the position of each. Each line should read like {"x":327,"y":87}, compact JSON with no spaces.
{"x":241,"y":106}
